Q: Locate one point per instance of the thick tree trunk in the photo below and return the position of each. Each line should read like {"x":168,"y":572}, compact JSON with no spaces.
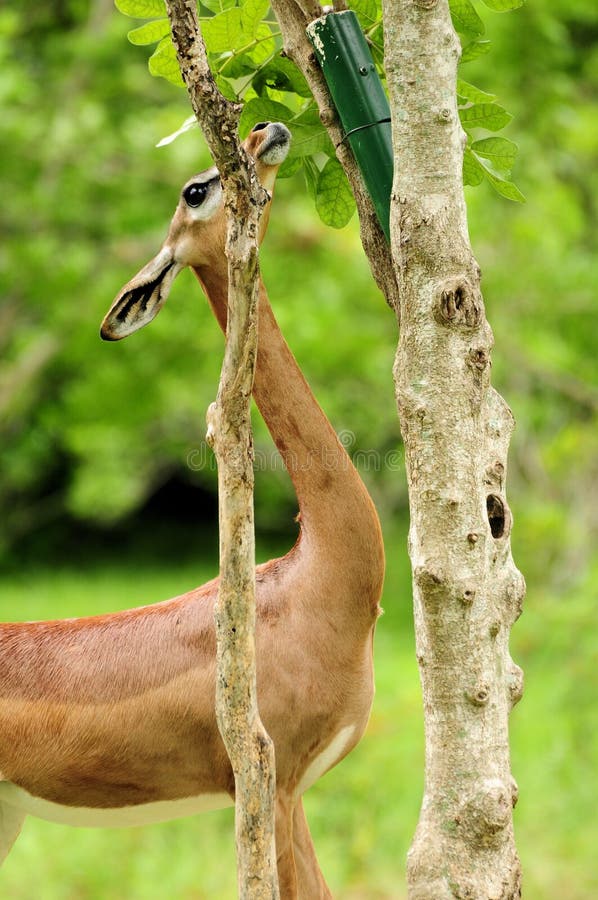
{"x":456,"y":428}
{"x":249,"y":747}
{"x":467,"y":590}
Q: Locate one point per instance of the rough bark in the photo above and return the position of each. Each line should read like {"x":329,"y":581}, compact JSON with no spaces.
{"x":456,"y":429}
{"x":249,"y":747}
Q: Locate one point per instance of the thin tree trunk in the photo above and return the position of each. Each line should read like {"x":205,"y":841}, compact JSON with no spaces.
{"x":456,"y":429}
{"x":249,"y":747}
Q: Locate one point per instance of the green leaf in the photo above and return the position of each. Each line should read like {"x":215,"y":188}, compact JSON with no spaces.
{"x":252,"y":13}
{"x":465,"y":18}
{"x":308,"y":138}
{"x":484,"y":115}
{"x":473,"y":172}
{"x":226,"y":88}
{"x":310,"y":115}
{"x":218,"y":6}
{"x":142,"y":9}
{"x":262,"y":109}
{"x":265,"y":45}
{"x":150,"y":32}
{"x":473,"y":94}
{"x":222,"y":32}
{"x":367,"y":11}
{"x":311,"y":173}
{"x":503,"y":5}
{"x":281,"y":74}
{"x":289,"y":167}
{"x":237,"y":65}
{"x":503,"y":187}
{"x":376,"y":43}
{"x":474,"y":50}
{"x":498,"y":150}
{"x":334,"y":200}
{"x":164,"y":63}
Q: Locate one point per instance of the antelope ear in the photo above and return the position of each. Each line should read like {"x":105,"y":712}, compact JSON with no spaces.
{"x":142,"y":297}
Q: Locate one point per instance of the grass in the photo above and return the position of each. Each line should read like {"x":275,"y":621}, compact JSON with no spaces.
{"x":364,"y":812}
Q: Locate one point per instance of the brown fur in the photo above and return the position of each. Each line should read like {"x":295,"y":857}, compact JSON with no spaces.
{"x":118,"y":710}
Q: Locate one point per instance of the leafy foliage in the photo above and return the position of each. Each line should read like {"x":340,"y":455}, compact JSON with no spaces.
{"x":243,"y":44}
{"x":92,"y":435}
{"x":479,"y":111}
{"x":86,"y":205}
{"x":334,"y":200}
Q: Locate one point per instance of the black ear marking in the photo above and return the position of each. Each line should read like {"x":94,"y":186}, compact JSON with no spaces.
{"x":140,"y":296}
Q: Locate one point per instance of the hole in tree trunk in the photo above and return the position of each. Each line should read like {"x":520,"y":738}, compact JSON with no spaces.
{"x":496,"y":515}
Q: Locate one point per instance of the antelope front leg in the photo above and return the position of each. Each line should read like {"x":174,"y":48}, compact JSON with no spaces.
{"x":285,"y":857}
{"x":310,"y":881}
{"x":299,"y":874}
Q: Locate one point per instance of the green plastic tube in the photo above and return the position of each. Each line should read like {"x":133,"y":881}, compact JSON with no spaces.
{"x":357,"y":92}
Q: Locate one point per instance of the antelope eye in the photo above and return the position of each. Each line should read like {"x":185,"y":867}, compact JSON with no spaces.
{"x":195,"y":194}
{"x":260,"y":126}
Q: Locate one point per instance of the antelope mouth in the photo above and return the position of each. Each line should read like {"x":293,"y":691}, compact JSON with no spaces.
{"x":274,"y":148}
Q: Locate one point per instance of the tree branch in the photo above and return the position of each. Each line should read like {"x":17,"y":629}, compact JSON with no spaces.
{"x":456,"y":428}
{"x":250,"y":749}
{"x":293,"y":19}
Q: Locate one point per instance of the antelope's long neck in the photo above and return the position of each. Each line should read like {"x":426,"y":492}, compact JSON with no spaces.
{"x":332,"y":498}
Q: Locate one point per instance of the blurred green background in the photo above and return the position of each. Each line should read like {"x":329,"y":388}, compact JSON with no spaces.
{"x":107,"y":495}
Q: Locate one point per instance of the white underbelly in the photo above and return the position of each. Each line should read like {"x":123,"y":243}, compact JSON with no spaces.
{"x":119,"y":817}
{"x":162,"y":810}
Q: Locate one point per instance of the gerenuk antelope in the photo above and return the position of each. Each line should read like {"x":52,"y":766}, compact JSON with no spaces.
{"x":110,"y":720}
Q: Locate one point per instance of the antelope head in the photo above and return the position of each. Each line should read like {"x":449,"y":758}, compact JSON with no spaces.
{"x":196,"y":236}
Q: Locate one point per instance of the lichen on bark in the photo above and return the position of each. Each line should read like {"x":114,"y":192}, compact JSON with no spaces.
{"x":456,"y":429}
{"x":249,"y":747}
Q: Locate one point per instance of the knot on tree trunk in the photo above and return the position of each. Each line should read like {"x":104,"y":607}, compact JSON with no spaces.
{"x":458,"y":302}
{"x":514,"y":792}
{"x":467,"y":594}
{"x":430,"y":581}
{"x":515,"y":683}
{"x":426,"y":4}
{"x":514,"y":594}
{"x":495,"y":474}
{"x":479,"y":358}
{"x":478,"y":693}
{"x":485,"y":815}
{"x":212,"y":422}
